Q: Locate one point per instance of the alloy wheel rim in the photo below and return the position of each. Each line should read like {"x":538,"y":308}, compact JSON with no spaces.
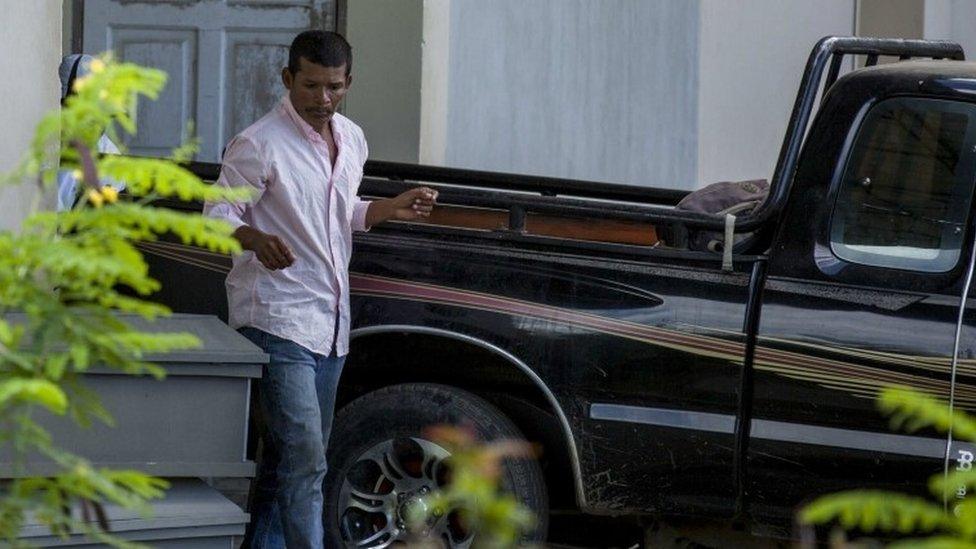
{"x":387,"y":484}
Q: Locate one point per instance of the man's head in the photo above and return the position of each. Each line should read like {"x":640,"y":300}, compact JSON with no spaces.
{"x":318,"y":75}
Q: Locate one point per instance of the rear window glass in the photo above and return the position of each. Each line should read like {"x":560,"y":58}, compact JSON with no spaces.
{"x":907,"y":187}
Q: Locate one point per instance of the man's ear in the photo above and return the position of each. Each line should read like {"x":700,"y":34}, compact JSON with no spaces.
{"x":286,"y":78}
{"x":348,"y":80}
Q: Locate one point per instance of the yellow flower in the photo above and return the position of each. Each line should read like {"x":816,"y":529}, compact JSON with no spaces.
{"x":110,"y":194}
{"x":95,"y":198}
{"x":78,"y":175}
{"x":80,"y":83}
{"x":97,"y":66}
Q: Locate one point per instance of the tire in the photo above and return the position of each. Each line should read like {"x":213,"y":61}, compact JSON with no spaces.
{"x":390,"y":422}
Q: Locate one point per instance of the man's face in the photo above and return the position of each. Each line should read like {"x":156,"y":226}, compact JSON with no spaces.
{"x":316,"y":91}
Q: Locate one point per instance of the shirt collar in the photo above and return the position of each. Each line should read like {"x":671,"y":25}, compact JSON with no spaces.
{"x":304,"y":126}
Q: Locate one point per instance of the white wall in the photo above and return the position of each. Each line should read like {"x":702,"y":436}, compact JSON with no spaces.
{"x":891,"y":18}
{"x":599,"y":90}
{"x":952,"y":20}
{"x":436,"y":59}
{"x":31,"y":46}
{"x":385,"y":96}
{"x":667,"y":93}
{"x":750,"y":63}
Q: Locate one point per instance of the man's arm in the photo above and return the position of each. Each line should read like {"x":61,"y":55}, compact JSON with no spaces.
{"x":243,"y":167}
{"x":270,"y":250}
{"x":408,"y":206}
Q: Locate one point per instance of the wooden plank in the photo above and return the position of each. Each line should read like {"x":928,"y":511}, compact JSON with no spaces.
{"x":589,"y":229}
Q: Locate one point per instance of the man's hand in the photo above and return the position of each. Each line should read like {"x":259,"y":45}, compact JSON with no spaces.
{"x":414,"y":204}
{"x":408,"y":206}
{"x":270,"y":250}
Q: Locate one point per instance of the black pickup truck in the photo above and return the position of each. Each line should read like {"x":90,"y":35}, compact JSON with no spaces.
{"x":658,"y":381}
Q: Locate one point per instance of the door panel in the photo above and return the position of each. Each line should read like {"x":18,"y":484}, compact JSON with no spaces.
{"x":253,"y":73}
{"x":175,"y":52}
{"x":224,"y":59}
{"x":864,"y":292}
{"x":816,"y":428}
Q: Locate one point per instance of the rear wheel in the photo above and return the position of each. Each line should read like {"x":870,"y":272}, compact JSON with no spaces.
{"x":380,"y":465}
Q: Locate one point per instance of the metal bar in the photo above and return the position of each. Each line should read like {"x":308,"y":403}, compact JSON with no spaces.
{"x":549,"y":186}
{"x":516,"y":218}
{"x":805,"y":100}
{"x":750,"y":327}
{"x":603,"y":250}
{"x":559,"y":205}
{"x":872,"y":60}
{"x":832,"y":73}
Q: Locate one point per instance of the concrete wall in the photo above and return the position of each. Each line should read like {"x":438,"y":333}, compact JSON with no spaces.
{"x":436,"y":60}
{"x":67,"y":14}
{"x":751,"y":60}
{"x":672,"y":94}
{"x":575,"y":88}
{"x":31,"y":46}
{"x":891,"y":18}
{"x":952,"y":20}
{"x":385,"y":96}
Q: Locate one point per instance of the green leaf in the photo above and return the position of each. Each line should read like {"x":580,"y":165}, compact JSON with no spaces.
{"x":938,"y":542}
{"x":6,"y":334}
{"x":55,"y":365}
{"x":34,"y":391}
{"x":89,"y":257}
{"x":916,"y":410}
{"x":79,"y":355}
{"x":872,"y":511}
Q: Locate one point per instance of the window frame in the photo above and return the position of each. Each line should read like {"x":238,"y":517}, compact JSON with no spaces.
{"x":967,"y":161}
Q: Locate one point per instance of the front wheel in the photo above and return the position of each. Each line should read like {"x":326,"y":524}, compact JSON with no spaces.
{"x":380,"y":464}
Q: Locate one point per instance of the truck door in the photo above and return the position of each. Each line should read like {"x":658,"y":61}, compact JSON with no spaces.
{"x":864,"y":287}
{"x":960,"y":452}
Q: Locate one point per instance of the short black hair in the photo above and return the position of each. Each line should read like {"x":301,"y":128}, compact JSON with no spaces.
{"x":325,"y":48}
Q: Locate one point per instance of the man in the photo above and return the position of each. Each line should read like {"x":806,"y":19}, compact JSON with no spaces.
{"x":289,"y":291}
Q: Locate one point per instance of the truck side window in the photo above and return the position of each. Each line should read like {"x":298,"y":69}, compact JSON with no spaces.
{"x":906,"y":190}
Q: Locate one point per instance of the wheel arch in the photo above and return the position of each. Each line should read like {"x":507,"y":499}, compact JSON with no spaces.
{"x":362,"y":361}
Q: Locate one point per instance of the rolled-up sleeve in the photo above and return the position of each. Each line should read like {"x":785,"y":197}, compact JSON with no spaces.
{"x":243,"y":166}
{"x":359,"y":208}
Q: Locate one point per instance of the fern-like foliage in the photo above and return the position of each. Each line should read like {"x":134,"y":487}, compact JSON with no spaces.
{"x":934,"y":542}
{"x":67,"y":280}
{"x":874,"y":511}
{"x":893,"y":514}
{"x":911,"y":410}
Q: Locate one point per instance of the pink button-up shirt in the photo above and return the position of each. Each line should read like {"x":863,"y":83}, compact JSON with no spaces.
{"x":313,"y":208}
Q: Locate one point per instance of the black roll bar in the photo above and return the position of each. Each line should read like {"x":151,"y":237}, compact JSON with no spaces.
{"x":829,"y":48}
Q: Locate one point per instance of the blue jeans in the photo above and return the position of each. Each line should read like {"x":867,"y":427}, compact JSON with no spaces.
{"x":297,"y":399}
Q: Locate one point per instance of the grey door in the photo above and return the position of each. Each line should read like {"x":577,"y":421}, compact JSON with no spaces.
{"x":223,"y":57}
